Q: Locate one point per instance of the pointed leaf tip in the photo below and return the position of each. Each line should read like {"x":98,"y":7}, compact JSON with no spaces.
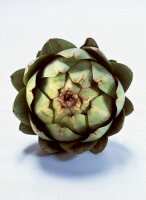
{"x":90,"y":42}
{"x":17,"y":79}
{"x":128,"y":107}
{"x":100,"y":145}
{"x":26,"y":129}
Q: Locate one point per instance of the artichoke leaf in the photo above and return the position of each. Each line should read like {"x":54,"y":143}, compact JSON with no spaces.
{"x":29,"y":89}
{"x":123,"y":73}
{"x":100,"y":145}
{"x":90,"y":42}
{"x":38,"y":54}
{"x":60,"y":65}
{"x":26,"y":129}
{"x":81,"y":73}
{"x":76,"y":53}
{"x":77,"y":147}
{"x":59,"y":111}
{"x":61,"y":133}
{"x":120,"y":97}
{"x":69,"y":85}
{"x":76,"y":109}
{"x":55,"y":45}
{"x":49,"y":147}
{"x":17,"y":79}
{"x":41,"y":107}
{"x":37,"y":64}
{"x":36,"y":130}
{"x":117,"y":124}
{"x":30,"y":69}
{"x":104,"y":79}
{"x":87,"y":95}
{"x":98,"y":133}
{"x":99,"y":57}
{"x":50,"y":86}
{"x":128,"y":107}
{"x":77,"y":123}
{"x":20,"y":107}
{"x":100,"y":111}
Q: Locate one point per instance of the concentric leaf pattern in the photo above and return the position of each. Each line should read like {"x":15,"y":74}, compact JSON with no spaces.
{"x":72,"y":98}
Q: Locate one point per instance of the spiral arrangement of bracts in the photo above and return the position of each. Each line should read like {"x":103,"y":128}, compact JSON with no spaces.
{"x":72,"y":98}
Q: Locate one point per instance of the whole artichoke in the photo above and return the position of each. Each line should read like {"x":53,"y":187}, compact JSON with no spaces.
{"x":72,"y":98}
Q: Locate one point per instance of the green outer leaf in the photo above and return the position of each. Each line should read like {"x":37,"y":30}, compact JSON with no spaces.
{"x":99,"y":57}
{"x":60,"y":65}
{"x":41,"y":107}
{"x":90,"y":42}
{"x":120,"y":97}
{"x":50,"y":86}
{"x":29,"y":89}
{"x":100,"y":111}
{"x":104,"y":79}
{"x":76,"y":53}
{"x":37,"y":64}
{"x":81,"y":73}
{"x":77,"y":123}
{"x":128,"y":107}
{"x":100,"y":145}
{"x":123,"y":73}
{"x":98,"y":133}
{"x":35,"y":129}
{"x":55,"y":45}
{"x":117,"y":124}
{"x":49,"y":147}
{"x":20,"y":107}
{"x":26,"y":129}
{"x":61,"y":133}
{"x":77,"y":147}
{"x":17,"y":79}
{"x":87,"y":95}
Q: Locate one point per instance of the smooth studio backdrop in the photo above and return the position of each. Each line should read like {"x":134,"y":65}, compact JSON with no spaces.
{"x":119,"y":27}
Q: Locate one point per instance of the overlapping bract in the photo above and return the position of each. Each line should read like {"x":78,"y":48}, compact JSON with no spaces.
{"x":72,"y":98}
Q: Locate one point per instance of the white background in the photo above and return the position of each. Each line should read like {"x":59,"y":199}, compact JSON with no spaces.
{"x":119,"y":27}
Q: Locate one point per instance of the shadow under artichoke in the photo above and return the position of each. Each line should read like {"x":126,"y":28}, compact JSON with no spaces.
{"x":72,"y":166}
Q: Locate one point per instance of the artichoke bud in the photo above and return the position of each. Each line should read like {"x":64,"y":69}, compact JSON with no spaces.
{"x":72,"y":98}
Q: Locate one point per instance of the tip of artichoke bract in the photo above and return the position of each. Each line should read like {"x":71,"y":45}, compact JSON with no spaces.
{"x":90,"y":42}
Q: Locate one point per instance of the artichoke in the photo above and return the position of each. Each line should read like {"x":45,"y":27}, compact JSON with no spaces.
{"x":72,"y":98}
